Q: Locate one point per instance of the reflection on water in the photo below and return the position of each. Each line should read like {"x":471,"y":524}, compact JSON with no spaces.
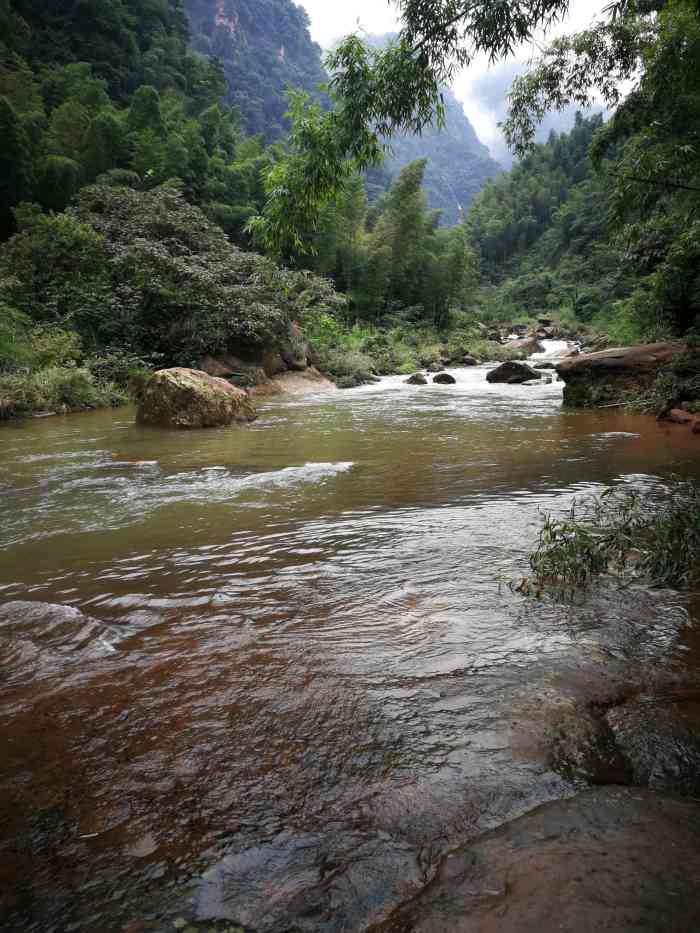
{"x":296,"y":674}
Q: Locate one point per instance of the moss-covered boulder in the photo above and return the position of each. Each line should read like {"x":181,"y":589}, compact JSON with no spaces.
{"x":188,"y":398}
{"x":612,"y":377}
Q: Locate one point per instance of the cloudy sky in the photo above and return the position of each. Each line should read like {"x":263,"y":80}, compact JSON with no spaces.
{"x":480,"y":88}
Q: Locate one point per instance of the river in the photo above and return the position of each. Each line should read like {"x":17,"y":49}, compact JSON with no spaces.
{"x":295,"y":676}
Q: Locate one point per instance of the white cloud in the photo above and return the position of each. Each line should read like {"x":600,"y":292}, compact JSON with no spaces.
{"x":330,"y":20}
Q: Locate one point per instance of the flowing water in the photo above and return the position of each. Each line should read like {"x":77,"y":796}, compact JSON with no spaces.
{"x":293,"y":675}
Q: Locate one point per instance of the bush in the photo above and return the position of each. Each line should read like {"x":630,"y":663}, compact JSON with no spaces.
{"x":15,"y":342}
{"x":657,"y":539}
{"x":349,"y":369}
{"x":55,"y":388}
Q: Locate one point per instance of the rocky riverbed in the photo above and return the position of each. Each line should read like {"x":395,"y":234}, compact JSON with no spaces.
{"x":287,"y":679}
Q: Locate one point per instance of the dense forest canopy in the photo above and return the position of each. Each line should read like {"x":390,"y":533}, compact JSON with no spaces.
{"x":118,"y":111}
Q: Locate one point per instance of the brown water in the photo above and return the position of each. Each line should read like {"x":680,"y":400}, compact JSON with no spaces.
{"x":299,"y":676}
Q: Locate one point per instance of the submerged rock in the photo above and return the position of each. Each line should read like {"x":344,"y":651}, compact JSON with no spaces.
{"x":606,"y":378}
{"x":188,"y":398}
{"x":417,"y":379}
{"x":600,"y":861}
{"x":444,"y":379}
{"x":680,"y":416}
{"x":513,"y":373}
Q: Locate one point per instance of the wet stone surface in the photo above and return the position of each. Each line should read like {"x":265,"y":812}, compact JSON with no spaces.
{"x":590,"y":863}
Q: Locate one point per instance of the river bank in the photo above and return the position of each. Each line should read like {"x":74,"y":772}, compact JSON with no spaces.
{"x":298,"y":679}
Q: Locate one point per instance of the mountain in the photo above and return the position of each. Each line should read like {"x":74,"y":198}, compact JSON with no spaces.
{"x":264,"y":47}
{"x":459,"y":164}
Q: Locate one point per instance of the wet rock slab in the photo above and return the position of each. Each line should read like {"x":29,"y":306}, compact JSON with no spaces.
{"x":603,"y":860}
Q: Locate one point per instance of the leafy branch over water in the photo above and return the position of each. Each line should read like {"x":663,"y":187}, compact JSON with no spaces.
{"x":654,"y":538}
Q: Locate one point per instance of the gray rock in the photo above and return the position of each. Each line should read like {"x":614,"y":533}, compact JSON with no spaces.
{"x":513,"y":373}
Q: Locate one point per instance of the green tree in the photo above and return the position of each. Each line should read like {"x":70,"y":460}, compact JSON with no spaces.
{"x":15,"y":166}
{"x":105,"y":144}
{"x":144,"y":112}
{"x":59,"y":180}
{"x":67,"y":129}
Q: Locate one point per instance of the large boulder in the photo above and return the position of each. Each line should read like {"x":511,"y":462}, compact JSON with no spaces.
{"x":513,"y":373}
{"x":189,"y":398}
{"x":606,"y":378}
{"x":417,"y":379}
{"x":444,"y":379}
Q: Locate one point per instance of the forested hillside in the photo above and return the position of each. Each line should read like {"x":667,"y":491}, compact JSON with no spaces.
{"x":457,"y":167}
{"x":458,"y":164}
{"x":542,"y":231}
{"x":122,"y":171}
{"x":265,"y":48}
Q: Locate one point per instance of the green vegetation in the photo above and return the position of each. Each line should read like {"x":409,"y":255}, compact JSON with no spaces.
{"x":265,"y":48}
{"x":542,"y":235}
{"x":642,"y":182}
{"x":655,"y":539}
{"x":128,"y":279}
{"x":391,"y":258}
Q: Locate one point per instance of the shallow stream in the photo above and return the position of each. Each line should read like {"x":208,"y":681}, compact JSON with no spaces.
{"x":298,"y":676}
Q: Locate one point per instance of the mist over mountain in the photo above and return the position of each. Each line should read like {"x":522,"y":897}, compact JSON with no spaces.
{"x":490,"y":93}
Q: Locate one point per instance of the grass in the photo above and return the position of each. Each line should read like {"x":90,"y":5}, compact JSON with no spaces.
{"x":59,"y":389}
{"x":654,"y":539}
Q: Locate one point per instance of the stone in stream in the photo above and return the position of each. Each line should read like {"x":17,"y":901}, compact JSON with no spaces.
{"x":444,"y":379}
{"x":188,"y":398}
{"x":417,"y":379}
{"x":606,"y":378}
{"x":680,"y":416}
{"x":612,"y":859}
{"x":545,"y":366}
{"x":513,"y":373}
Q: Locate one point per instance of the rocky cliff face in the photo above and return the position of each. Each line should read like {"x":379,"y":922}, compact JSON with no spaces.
{"x":264,"y":48}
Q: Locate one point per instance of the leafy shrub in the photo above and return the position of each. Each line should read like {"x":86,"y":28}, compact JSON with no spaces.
{"x":15,"y":341}
{"x":148,"y":271}
{"x":655,"y":538}
{"x":349,"y":369}
{"x":54,"y":346}
{"x":118,"y":367}
{"x":55,"y":388}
